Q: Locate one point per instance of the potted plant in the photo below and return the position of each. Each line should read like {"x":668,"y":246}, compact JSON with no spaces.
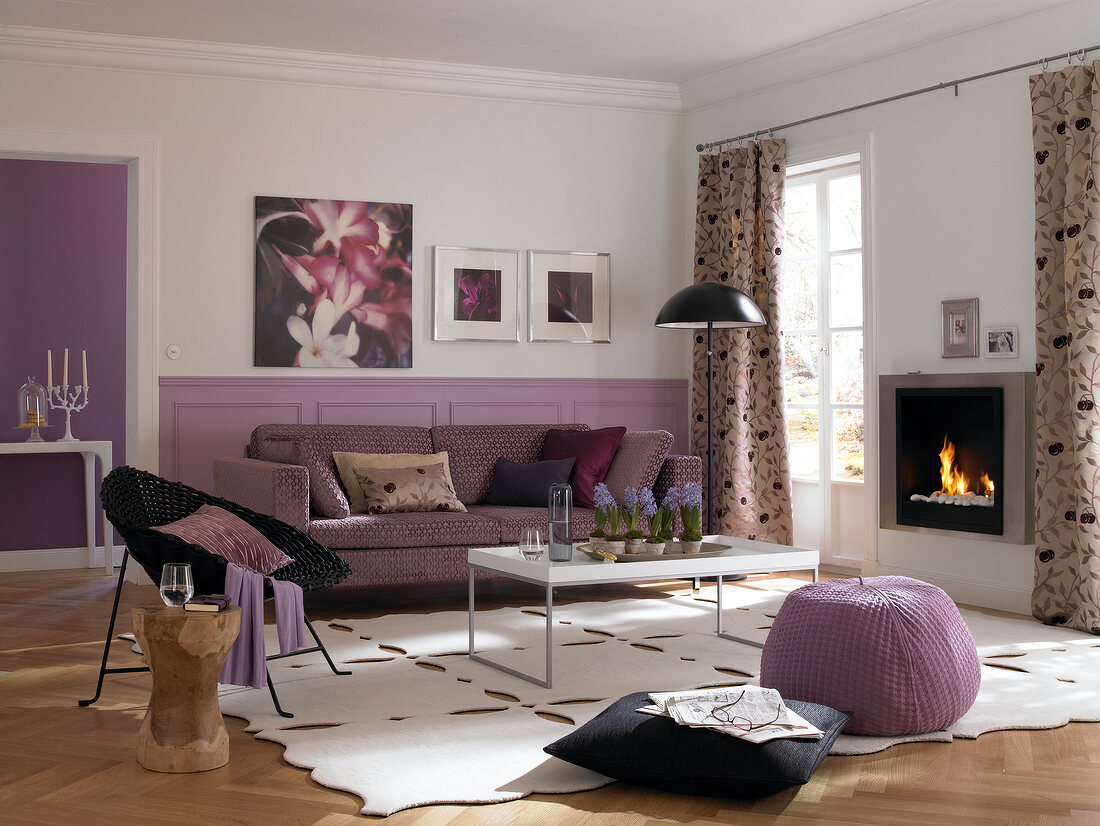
{"x":668,"y":513}
{"x":691,"y":513}
{"x":603,"y":501}
{"x":632,"y":509}
{"x":654,"y":544}
{"x":614,"y":542}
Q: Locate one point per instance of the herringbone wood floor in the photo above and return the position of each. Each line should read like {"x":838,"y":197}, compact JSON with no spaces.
{"x":60,"y":764}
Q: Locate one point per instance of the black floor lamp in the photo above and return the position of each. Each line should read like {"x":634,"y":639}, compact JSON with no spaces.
{"x":711,"y":305}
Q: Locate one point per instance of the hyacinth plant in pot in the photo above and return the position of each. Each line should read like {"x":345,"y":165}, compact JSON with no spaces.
{"x":632,"y":510}
{"x":614,"y":542}
{"x":603,"y":501}
{"x":667,"y":513}
{"x":691,"y":513}
{"x":654,"y":544}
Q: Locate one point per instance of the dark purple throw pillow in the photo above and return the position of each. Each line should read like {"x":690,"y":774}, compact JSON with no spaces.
{"x":593,"y":449}
{"x":526,"y":484}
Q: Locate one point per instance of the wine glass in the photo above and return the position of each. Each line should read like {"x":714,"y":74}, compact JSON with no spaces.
{"x":530,"y":543}
{"x":176,"y":586}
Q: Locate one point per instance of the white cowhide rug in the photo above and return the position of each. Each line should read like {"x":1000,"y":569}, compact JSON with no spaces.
{"x":419,"y":723}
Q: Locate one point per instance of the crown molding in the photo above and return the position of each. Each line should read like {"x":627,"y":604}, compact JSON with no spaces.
{"x":22,"y":44}
{"x":892,"y":33}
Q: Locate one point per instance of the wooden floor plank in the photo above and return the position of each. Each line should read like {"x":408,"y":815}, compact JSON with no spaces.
{"x":64,"y":764}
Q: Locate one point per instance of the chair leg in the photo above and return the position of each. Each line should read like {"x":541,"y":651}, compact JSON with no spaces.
{"x":275,"y":697}
{"x":103,"y":669}
{"x":324,"y":650}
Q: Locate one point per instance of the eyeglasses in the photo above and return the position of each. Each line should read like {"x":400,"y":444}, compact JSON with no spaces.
{"x":724,"y":715}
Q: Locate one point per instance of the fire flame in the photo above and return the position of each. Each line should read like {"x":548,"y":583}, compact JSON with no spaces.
{"x":952,"y":480}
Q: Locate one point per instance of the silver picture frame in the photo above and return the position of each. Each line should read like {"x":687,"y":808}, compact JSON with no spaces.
{"x":476,"y":294}
{"x":569,"y":296}
{"x":960,"y":328}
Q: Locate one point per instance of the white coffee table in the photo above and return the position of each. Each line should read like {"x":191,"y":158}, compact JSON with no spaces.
{"x":744,"y":557}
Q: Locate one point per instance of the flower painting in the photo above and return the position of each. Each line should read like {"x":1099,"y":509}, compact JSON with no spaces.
{"x":570,"y":296}
{"x":477,"y":294}
{"x":333,"y":283}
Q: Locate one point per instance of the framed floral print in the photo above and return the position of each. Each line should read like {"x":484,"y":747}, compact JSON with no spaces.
{"x":476,"y":294}
{"x":960,"y":328}
{"x":569,"y":296}
{"x":333,"y":283}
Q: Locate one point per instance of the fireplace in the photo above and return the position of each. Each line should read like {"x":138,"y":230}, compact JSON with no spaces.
{"x":957,"y":454}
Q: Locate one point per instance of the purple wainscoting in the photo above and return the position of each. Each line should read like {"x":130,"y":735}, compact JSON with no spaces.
{"x":202,"y":418}
{"x":63,"y":273}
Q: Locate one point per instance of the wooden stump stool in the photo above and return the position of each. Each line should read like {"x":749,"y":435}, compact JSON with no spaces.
{"x":183,"y":730}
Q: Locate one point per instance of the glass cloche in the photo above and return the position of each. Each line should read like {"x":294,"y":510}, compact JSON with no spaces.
{"x":33,"y":408}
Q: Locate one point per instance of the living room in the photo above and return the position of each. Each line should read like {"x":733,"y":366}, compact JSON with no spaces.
{"x":509,"y":158}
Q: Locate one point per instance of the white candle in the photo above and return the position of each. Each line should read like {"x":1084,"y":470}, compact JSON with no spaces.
{"x":65,"y":374}
{"x":84,"y":355}
{"x":49,"y":368}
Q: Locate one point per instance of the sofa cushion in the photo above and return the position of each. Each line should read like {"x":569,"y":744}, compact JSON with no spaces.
{"x":348,"y":463}
{"x":227,"y":535}
{"x":420,"y":488}
{"x":326,"y":496}
{"x":475,"y":448}
{"x":658,"y":752}
{"x":406,"y":530}
{"x":637,"y":461}
{"x":526,"y":484}
{"x":594,"y":451}
{"x":512,"y":520}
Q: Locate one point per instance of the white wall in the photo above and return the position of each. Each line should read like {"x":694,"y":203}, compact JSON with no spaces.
{"x":952,"y":209}
{"x":490,"y":173}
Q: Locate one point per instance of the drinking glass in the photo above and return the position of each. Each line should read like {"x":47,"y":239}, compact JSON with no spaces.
{"x":530,"y":543}
{"x":176,"y":586}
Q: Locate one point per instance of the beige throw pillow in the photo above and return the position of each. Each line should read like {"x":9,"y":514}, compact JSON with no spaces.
{"x":408,"y":489}
{"x":348,"y":464}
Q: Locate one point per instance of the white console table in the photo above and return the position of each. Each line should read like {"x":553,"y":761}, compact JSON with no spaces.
{"x":89,"y":450}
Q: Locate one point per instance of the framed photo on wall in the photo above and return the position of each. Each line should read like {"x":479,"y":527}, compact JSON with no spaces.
{"x":476,"y":294}
{"x":1001,"y":341}
{"x":960,"y":328}
{"x":570,"y":296}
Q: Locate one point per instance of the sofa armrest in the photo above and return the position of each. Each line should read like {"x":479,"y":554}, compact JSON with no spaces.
{"x":676,"y":471}
{"x":273,"y":488}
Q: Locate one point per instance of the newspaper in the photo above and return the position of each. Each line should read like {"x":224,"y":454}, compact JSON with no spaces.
{"x":747,"y":712}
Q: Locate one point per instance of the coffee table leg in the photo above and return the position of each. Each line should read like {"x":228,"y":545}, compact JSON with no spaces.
{"x":549,"y":635}
{"x":477,"y":658}
{"x":718,"y":632}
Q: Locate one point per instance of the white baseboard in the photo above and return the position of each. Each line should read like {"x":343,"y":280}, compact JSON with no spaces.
{"x":1001,"y":596}
{"x":55,"y":559}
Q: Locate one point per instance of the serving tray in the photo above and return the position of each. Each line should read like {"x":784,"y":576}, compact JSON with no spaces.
{"x":708,"y":549}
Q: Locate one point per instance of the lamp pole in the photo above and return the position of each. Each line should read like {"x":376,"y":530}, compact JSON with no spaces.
{"x":710,"y":426}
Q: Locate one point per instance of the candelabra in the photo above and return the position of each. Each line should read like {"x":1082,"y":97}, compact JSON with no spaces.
{"x":68,"y":402}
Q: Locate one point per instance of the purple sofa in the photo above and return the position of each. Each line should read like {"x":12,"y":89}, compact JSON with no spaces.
{"x":289,"y":473}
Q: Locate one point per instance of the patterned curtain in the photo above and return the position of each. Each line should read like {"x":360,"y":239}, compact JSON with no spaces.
{"x":1065,"y":109}
{"x":738,"y":232}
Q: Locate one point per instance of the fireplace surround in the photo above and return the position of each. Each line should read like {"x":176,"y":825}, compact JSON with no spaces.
{"x":957,"y":455}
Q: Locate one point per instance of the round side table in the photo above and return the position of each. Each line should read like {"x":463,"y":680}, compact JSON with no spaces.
{"x":183,"y":730}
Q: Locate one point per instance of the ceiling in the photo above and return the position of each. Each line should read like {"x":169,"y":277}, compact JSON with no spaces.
{"x":664,"y":41}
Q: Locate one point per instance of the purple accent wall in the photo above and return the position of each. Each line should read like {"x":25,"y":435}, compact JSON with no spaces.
{"x":62,"y":284}
{"x":202,"y":418}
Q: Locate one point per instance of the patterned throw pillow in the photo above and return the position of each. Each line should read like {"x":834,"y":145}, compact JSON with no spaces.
{"x":220,"y":532}
{"x":408,"y":489}
{"x":348,"y":464}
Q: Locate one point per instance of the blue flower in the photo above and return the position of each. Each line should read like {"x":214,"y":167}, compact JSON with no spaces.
{"x":649,"y":504}
{"x":691,"y":495}
{"x":602,"y":498}
{"x":671,"y":500}
{"x":630,"y":497}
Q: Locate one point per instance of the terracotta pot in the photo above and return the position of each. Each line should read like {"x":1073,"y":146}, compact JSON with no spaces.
{"x":634,"y":545}
{"x":617,"y":547}
{"x":654,"y":547}
{"x":691,"y":547}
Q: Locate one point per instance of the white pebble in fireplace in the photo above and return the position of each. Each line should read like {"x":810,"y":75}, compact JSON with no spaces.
{"x":966,"y":500}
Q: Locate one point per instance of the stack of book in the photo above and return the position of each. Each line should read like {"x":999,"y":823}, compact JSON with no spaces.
{"x":747,"y":712}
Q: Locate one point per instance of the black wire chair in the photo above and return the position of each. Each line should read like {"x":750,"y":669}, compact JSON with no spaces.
{"x":135,"y":500}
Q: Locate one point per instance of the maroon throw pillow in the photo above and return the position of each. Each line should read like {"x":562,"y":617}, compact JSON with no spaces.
{"x":593,"y":449}
{"x":227,"y":535}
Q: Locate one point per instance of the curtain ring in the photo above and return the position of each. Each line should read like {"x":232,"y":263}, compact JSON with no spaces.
{"x":1081,"y":54}
{"x":1043,"y":63}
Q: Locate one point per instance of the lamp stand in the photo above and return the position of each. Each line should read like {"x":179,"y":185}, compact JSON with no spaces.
{"x":710,"y":426}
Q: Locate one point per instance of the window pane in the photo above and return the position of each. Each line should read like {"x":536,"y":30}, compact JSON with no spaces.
{"x":798,"y":295}
{"x":845,"y":221}
{"x":800,"y":365}
{"x":848,"y":444}
{"x":802,"y":436}
{"x":846,"y":291}
{"x":847,"y":367}
{"x":801,"y":210}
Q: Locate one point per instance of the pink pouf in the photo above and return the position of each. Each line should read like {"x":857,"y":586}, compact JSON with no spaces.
{"x":894,"y":651}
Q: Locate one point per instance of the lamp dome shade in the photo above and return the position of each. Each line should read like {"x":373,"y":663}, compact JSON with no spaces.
{"x":710,"y":303}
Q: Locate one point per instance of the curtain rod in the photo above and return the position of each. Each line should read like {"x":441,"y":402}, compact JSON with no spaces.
{"x":1042,"y":63}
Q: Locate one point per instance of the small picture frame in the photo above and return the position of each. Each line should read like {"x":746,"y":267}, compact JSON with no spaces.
{"x":1001,"y":341}
{"x":476,"y":294}
{"x":960,"y":328}
{"x":569,"y":296}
